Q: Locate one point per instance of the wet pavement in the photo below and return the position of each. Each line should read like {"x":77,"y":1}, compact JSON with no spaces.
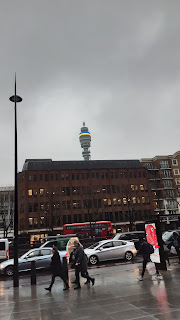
{"x":116,"y":295}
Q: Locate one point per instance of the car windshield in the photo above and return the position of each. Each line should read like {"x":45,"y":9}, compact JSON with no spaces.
{"x":167,"y":235}
{"x":95,"y":245}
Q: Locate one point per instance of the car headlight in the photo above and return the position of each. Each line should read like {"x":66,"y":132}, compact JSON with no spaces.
{"x":2,"y":266}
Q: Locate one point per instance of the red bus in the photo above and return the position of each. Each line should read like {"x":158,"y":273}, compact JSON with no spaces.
{"x":85,"y":230}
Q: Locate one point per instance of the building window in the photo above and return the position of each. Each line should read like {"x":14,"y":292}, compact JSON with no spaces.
{"x":143,"y":200}
{"x":141,"y":187}
{"x":67,"y":176}
{"x":164,"y":164}
{"x":42,"y":221}
{"x":52,"y":177}
{"x":29,"y":177}
{"x":166,"y":174}
{"x":97,"y":175}
{"x":64,"y":219}
{"x":115,"y":202}
{"x":68,"y":205}
{"x":30,"y":222}
{"x":149,"y":165}
{"x":57,"y":177}
{"x":108,"y":189}
{"x":63,"y":191}
{"x":168,"y":183}
{"x":41,"y":192}
{"x":67,"y":191}
{"x":176,"y":171}
{"x":177,"y":181}
{"x":35,"y":207}
{"x":77,"y":176}
{"x":82,"y":176}
{"x":41,"y":177}
{"x":87,"y":175}
{"x":112,"y":175}
{"x":116,"y":175}
{"x":113,"y":189}
{"x":109,"y":202}
{"x":134,"y":200}
{"x":130,"y":174}
{"x":62,"y":176}
{"x":92,"y":175}
{"x":30,"y":192}
{"x":69,"y":218}
{"x":102,"y":175}
{"x":35,"y":222}
{"x":174,"y":162}
{"x":139,"y":174}
{"x":124,"y":200}
{"x":46,"y":177}
{"x":107,"y":175}
{"x":41,"y":206}
{"x":34,"y":177}
{"x":29,"y":207}
{"x":132,"y":187}
{"x":64,"y":205}
{"x":135,"y":175}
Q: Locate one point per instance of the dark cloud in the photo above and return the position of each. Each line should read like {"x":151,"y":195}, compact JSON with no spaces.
{"x":114,"y":64}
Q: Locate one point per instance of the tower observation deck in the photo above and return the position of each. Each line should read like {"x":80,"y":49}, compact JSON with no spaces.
{"x":85,"y":141}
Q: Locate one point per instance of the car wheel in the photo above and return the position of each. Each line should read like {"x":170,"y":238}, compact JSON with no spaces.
{"x":93,"y":260}
{"x":9,"y":271}
{"x":128,"y":255}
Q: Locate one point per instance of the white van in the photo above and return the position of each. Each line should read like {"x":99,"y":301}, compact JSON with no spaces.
{"x":4,"y":249}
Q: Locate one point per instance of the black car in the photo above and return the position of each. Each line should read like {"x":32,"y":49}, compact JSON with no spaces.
{"x":134,"y":236}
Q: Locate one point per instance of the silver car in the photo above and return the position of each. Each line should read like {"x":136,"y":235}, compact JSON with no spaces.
{"x":42,"y":256}
{"x":110,"y":250}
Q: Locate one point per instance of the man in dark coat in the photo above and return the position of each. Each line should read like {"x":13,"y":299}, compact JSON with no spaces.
{"x":176,"y":243}
{"x":144,"y":250}
{"x":57,"y":270}
{"x":81,"y":265}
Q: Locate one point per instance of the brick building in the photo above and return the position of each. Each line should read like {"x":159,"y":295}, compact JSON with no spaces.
{"x":6,"y":211}
{"x":164,"y":180}
{"x":52,"y":193}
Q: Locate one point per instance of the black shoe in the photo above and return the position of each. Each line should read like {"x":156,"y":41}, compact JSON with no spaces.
{"x":93,"y":281}
{"x":74,"y":282}
{"x":66,"y":288}
{"x":48,"y":289}
{"x":88,"y":281}
{"x":77,"y":287}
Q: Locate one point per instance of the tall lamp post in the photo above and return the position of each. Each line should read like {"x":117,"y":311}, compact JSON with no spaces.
{"x":15,"y":99}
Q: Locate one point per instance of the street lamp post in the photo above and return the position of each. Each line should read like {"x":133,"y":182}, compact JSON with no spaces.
{"x":15,"y":99}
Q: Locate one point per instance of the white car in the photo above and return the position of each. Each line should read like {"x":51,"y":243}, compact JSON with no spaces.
{"x":110,"y":250}
{"x":42,"y":256}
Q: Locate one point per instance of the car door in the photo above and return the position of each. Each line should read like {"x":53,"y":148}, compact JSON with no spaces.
{"x":105,"y":251}
{"x":44,"y":259}
{"x":25,"y":263}
{"x":119,"y":249}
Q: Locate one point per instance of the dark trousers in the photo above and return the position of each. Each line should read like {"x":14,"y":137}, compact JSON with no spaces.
{"x":145,"y":261}
{"x":84,"y":274}
{"x":61,"y":275}
{"x":178,"y":252}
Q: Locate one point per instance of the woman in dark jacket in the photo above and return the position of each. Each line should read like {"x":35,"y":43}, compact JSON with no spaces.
{"x":81,"y":265}
{"x":176,"y":243}
{"x":57,"y":270}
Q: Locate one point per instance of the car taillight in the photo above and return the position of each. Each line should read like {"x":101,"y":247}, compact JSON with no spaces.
{"x":7,"y":254}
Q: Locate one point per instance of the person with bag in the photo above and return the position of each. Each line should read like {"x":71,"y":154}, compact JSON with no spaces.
{"x":57,"y":270}
{"x":146,"y":249}
{"x":176,"y":243}
{"x":81,"y":265}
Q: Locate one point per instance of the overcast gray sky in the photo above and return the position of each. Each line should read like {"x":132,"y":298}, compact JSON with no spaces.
{"x":114,"y":64}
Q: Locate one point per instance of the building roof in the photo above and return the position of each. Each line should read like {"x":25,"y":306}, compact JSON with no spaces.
{"x":48,"y":164}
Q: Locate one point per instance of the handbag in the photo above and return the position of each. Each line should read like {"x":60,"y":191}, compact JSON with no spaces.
{"x":151,"y":268}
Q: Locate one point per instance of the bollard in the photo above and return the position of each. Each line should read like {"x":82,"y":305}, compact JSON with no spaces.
{"x":65,"y":268}
{"x":33,"y":272}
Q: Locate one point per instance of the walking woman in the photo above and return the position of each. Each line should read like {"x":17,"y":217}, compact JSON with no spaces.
{"x":81,"y":265}
{"x":57,"y":270}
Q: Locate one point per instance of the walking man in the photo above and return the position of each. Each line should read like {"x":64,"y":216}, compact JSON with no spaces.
{"x":146,"y":249}
{"x":81,"y":265}
{"x":176,"y":243}
{"x":57,"y":270}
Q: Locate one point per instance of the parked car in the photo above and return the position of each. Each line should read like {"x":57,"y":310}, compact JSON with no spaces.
{"x":4,"y":249}
{"x":110,"y":250}
{"x":134,"y":236}
{"x":167,"y":237}
{"x":42,"y":256}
